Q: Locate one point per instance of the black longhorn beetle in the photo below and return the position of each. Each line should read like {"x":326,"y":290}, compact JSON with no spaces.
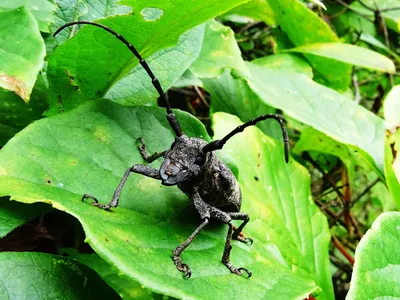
{"x":192,"y":165}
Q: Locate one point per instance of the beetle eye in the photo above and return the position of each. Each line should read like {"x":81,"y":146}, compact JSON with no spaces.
{"x":173,"y":145}
{"x":200,"y":160}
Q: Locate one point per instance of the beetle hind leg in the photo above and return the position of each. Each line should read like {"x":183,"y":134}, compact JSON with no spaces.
{"x":237,"y":231}
{"x":227,"y":252}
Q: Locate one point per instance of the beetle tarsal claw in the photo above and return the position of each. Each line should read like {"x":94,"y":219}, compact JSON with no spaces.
{"x":245,"y":270}
{"x":184,"y":268}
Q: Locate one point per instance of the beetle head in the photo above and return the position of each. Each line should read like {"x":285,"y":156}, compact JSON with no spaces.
{"x":183,"y":161}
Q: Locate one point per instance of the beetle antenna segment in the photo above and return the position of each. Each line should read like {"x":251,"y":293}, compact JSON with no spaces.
{"x":218,"y":144}
{"x":170,"y":115}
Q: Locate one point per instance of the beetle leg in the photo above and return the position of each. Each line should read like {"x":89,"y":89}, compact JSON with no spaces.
{"x":184,"y":268}
{"x":227,"y":219}
{"x":148,"y":158}
{"x":227,"y":252}
{"x":237,"y":232}
{"x":140,"y":169}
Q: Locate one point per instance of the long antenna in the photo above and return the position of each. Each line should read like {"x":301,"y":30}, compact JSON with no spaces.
{"x":170,"y":115}
{"x":218,"y":144}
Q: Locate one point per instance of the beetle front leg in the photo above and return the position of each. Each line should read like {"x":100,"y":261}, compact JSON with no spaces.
{"x":143,"y":152}
{"x":139,"y":169}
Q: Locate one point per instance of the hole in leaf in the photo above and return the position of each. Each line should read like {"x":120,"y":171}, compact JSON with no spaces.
{"x":151,"y":14}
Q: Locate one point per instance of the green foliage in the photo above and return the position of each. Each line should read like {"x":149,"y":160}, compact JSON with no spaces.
{"x":377,"y":261}
{"x":21,"y":45}
{"x":42,"y":10}
{"x":143,"y":232}
{"x":73,"y":77}
{"x":331,"y":71}
{"x":38,"y":275}
{"x":291,"y":15}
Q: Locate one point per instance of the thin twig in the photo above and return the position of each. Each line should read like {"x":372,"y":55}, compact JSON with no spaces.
{"x":198,"y":92}
{"x":367,"y":189}
{"x":342,"y":250}
{"x":354,"y":10}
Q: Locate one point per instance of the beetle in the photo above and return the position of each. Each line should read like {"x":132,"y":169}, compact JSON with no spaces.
{"x":192,"y":165}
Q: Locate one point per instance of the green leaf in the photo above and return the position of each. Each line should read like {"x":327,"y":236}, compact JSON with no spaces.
{"x":42,"y":10}
{"x":376,"y":273}
{"x":219,"y":51}
{"x":351,"y":54}
{"x":392,"y":107}
{"x":16,"y":114}
{"x":22,"y":51}
{"x":87,"y":10}
{"x":86,"y":66}
{"x":392,"y":143}
{"x":124,"y":286}
{"x":322,"y":108}
{"x":58,"y":159}
{"x":351,"y":156}
{"x":258,"y":10}
{"x":304,"y":27}
{"x":233,"y":95}
{"x":286,"y":62}
{"x":14,"y":214}
{"x":32,"y":275}
{"x":377,"y":43}
{"x":391,"y":150}
{"x":278,"y":199}
{"x":167,"y":64}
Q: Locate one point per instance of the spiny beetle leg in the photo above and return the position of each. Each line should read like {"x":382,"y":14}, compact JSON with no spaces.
{"x":184,"y":268}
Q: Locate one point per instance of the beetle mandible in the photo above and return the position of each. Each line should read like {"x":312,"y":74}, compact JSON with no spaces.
{"x":192,"y":165}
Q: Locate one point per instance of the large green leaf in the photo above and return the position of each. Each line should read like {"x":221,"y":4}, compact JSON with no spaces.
{"x":126,"y":287}
{"x":42,"y":10}
{"x":87,"y":10}
{"x":305,"y":27}
{"x":167,"y":64}
{"x":86,"y":66}
{"x":219,"y":51}
{"x":87,"y":150}
{"x":351,"y":54}
{"x":44,"y":276}
{"x":322,"y":108}
{"x":22,"y":51}
{"x":278,"y":199}
{"x":14,"y":214}
{"x":376,"y":273}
